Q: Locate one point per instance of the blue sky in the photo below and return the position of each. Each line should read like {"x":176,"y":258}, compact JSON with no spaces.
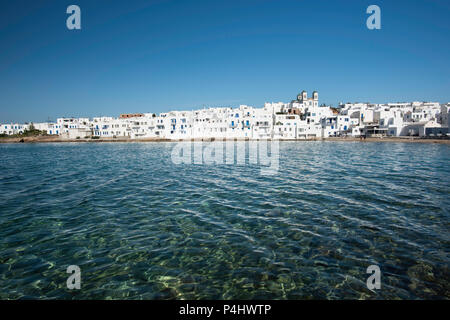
{"x":155,"y":56}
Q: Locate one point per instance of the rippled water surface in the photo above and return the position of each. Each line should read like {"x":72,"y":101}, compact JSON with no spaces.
{"x":140,"y":227}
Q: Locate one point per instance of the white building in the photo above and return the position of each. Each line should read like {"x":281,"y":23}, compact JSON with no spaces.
{"x":302,"y":118}
{"x":13,"y":128}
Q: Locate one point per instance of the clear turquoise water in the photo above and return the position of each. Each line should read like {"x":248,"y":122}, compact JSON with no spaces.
{"x":142,"y":228}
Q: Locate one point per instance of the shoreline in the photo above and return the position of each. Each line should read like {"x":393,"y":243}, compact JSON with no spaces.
{"x":51,"y":139}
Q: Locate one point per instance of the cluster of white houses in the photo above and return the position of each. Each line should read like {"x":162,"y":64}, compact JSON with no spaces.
{"x":302,"y":118}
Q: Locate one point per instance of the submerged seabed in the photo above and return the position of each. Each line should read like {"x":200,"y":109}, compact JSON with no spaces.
{"x":140,"y":227}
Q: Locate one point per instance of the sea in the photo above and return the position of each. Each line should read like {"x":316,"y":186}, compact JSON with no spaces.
{"x":138,"y":225}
